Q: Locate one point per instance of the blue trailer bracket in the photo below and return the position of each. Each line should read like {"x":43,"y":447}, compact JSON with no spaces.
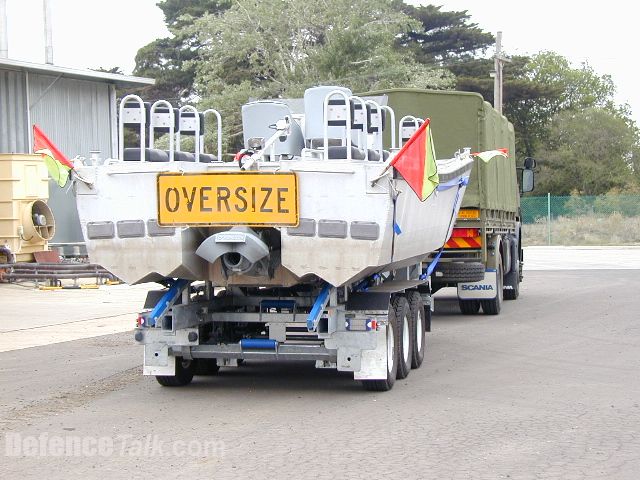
{"x":163,"y":305}
{"x":318,"y":308}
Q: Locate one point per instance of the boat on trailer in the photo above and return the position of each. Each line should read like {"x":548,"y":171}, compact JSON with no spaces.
{"x":304,"y":236}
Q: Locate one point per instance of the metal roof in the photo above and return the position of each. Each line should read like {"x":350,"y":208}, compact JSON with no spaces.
{"x":46,"y":69}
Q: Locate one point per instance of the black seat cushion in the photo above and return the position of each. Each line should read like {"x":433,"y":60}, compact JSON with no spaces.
{"x":374,"y":155}
{"x":207,"y":158}
{"x":341,"y":153}
{"x":183,"y":156}
{"x":150,"y":155}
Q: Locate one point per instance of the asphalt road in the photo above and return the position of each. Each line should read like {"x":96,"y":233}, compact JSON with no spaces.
{"x":548,"y":389}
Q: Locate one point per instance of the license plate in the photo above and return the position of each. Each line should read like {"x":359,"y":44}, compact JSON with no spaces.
{"x":223,"y":199}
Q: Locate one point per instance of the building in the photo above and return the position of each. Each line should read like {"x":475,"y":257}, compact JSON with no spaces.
{"x":75,"y":108}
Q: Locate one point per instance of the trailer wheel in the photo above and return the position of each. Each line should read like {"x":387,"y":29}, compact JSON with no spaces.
{"x":393,"y":347}
{"x":493,"y":306}
{"x":418,"y":328}
{"x":469,"y":307}
{"x":403,"y":315}
{"x":206,"y":366}
{"x":185,"y":370}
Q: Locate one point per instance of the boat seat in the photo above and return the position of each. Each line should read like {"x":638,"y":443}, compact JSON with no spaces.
{"x":207,"y":158}
{"x":162,"y":120}
{"x":182,"y":156}
{"x":340,"y":153}
{"x":314,"y":112}
{"x":319,"y":142}
{"x":131,"y":114}
{"x":374,"y":155}
{"x":187,"y":127}
{"x":150,"y":155}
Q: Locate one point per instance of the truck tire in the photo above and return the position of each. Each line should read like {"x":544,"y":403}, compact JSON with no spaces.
{"x":185,"y":370}
{"x":469,"y":307}
{"x":403,"y":316}
{"x":418,"y":328}
{"x":393,"y":347}
{"x":456,"y":272}
{"x":493,"y":306}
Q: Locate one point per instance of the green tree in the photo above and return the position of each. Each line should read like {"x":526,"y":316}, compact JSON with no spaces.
{"x":590,"y":152}
{"x":441,"y":37}
{"x":537,"y":88}
{"x":248,"y":54}
{"x":169,"y":60}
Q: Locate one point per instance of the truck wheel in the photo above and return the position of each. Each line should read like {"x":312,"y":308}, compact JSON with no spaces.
{"x":469,"y":307}
{"x":184,"y":374}
{"x":418,"y":331}
{"x":393,"y":347}
{"x":403,"y":316}
{"x":206,"y":366}
{"x":456,"y":272}
{"x":493,"y":306}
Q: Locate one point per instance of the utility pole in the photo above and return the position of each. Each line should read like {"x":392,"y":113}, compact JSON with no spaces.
{"x":499,"y":61}
{"x":48,"y":38}
{"x":4,"y":35}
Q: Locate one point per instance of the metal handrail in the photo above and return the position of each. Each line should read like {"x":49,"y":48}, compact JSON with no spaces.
{"x":143,"y":123}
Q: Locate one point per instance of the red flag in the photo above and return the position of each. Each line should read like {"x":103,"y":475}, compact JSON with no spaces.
{"x":42,"y":142}
{"x":416,"y":162}
{"x":57,"y":163}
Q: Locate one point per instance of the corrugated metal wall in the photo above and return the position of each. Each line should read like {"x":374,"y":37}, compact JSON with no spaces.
{"x":74,"y":114}
{"x":13,"y":113}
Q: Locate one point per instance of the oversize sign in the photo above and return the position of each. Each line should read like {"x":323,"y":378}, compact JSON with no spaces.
{"x":221,"y":199}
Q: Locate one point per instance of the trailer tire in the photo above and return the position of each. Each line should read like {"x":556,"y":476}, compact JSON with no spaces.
{"x":418,"y":328}
{"x":456,"y":272}
{"x":403,"y":316}
{"x":185,"y":370}
{"x":493,"y":306}
{"x":469,"y":307}
{"x":206,"y":366}
{"x":393,"y":348}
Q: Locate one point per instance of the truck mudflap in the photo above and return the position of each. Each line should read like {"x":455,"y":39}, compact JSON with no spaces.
{"x":483,"y":290}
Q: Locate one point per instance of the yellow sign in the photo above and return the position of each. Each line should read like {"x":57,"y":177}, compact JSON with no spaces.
{"x":469,"y":213}
{"x":212,"y":199}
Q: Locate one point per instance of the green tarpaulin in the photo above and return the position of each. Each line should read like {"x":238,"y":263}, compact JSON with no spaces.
{"x":459,"y":120}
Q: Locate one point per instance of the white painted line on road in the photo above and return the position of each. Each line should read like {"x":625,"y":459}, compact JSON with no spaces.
{"x":46,"y":335}
{"x":582,"y":258}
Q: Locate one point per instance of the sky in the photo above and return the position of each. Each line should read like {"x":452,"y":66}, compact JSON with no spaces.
{"x":96,"y":33}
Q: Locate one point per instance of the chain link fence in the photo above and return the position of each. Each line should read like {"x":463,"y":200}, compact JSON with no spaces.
{"x":581,"y":220}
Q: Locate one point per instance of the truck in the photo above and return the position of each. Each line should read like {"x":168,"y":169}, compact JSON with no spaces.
{"x":483,"y":258}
